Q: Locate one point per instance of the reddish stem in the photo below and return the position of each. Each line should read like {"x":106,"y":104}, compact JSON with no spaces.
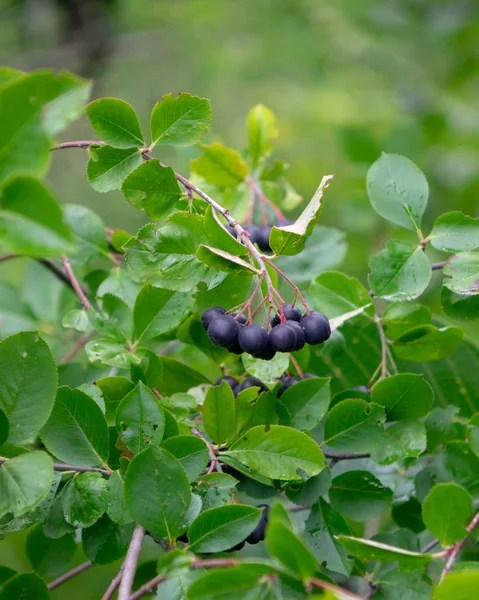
{"x":296,"y":366}
{"x":249,"y":213}
{"x":75,"y":285}
{"x":266,"y":200}
{"x":291,"y":283}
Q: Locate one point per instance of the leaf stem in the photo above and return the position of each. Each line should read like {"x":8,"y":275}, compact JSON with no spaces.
{"x":453,"y":552}
{"x":131,"y":560}
{"x":214,"y":463}
{"x":341,"y":592}
{"x":346,"y":456}
{"x":74,"y":282}
{"x":69,"y":574}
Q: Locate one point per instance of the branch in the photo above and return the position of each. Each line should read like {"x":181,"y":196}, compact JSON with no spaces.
{"x":66,"y":576}
{"x":60,"y":467}
{"x":82,"y":341}
{"x":74,"y":283}
{"x":214,"y":461}
{"x":115,"y":582}
{"x":337,"y":591}
{"x":131,"y":560}
{"x":384,"y":347}
{"x":346,"y":456}
{"x":454,"y":551}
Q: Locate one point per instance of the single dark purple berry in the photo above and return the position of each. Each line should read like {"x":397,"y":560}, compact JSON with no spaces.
{"x":235,"y":348}
{"x":231,"y":230}
{"x":210,"y":314}
{"x":298,"y":331}
{"x":263,"y":238}
{"x":183,"y":538}
{"x":286,"y":384}
{"x":266,"y":354}
{"x":223,"y":331}
{"x":316,"y":329}
{"x":254,"y":232}
{"x":237,"y":547}
{"x":282,"y":338}
{"x":253,"y":339}
{"x":252,"y":382}
{"x":274,"y":321}
{"x":231,"y":381}
{"x":241,"y":319}
{"x":292,"y":313}
{"x":258,"y":533}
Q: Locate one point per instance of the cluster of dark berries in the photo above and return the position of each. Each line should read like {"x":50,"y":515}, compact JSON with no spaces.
{"x":238,"y":387}
{"x":256,"y":536}
{"x":232,"y":333}
{"x":260,"y":235}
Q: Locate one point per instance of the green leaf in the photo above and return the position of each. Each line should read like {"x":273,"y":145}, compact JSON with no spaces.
{"x":166,"y":257}
{"x":158,"y":507}
{"x":109,"y":353}
{"x":335,"y":294}
{"x":408,"y":514}
{"x":221,"y":528}
{"x":406,"y":439}
{"x":359,"y":496}
{"x":290,"y":239}
{"x":354,"y":426}
{"x":284,"y":545}
{"x":396,"y":586}
{"x":180,"y":121}
{"x":5,"y":572}
{"x":85,"y":499}
{"x":460,"y":585}
{"x":139,"y":419}
{"x":224,"y":261}
{"x":457,"y":463}
{"x":307,"y":402}
{"x":219,"y":418}
{"x":192,"y":452}
{"x":427,"y":342}
{"x":4,"y":427}
{"x":404,"y":396}
{"x":398,"y":190}
{"x":455,"y":232}
{"x":399,"y":318}
{"x":442,"y":427}
{"x":120,"y":283}
{"x":220,"y":166}
{"x":105,"y":542}
{"x":216,"y":489}
{"x":266,"y":371}
{"x":50,"y":557}
{"x":368,"y":550}
{"x":325,"y":250}
{"x":24,"y":482}
{"x":26,"y":585}
{"x":117,"y":510}
{"x":278,"y":453}
{"x":153,"y":188}
{"x":459,"y":307}
{"x":31,"y":220}
{"x":77,"y":320}
{"x":55,"y":525}
{"x":400,"y":272}
{"x":68,"y":106}
{"x":28,"y":381}
{"x":309,"y":491}
{"x":115,"y":122}
{"x":76,"y":432}
{"x":220,"y":237}
{"x":236,"y":583}
{"x":169,"y":375}
{"x":462,"y":273}
{"x":88,"y":231}
{"x":113,"y":390}
{"x":445,"y":512}
{"x":261,"y":125}
{"x":254,"y":407}
{"x":175,"y":588}
{"x":322,"y":527}
{"x":109,"y":167}
{"x":158,"y":311}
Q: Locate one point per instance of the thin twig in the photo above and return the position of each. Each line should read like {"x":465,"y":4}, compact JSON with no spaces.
{"x":384,"y":346}
{"x":346,"y":456}
{"x":63,"y":468}
{"x":9,"y":257}
{"x":131,"y":560}
{"x":429,"y":546}
{"x":66,"y":576}
{"x":74,"y":281}
{"x":454,"y":551}
{"x":291,"y":283}
{"x":214,"y":463}
{"x":262,"y":196}
{"x":84,"y":144}
{"x":79,"y":344}
{"x":341,"y":592}
{"x":296,"y":366}
{"x":298,"y":508}
{"x":115,"y":582}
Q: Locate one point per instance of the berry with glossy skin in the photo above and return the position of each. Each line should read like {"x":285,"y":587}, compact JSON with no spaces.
{"x":274,"y":321}
{"x":223,"y":331}
{"x":316,"y":328}
{"x":292,"y":313}
{"x":262,"y":238}
{"x":241,"y":319}
{"x":231,"y":381}
{"x":210,"y":314}
{"x":258,"y":534}
{"x":253,"y":339}
{"x":283,"y":338}
{"x":298,"y":330}
{"x":252,"y":382}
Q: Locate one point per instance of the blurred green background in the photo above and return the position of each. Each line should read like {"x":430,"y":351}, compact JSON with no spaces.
{"x":346,"y":78}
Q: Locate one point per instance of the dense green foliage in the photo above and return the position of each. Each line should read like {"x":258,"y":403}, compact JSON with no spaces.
{"x":111,"y":424}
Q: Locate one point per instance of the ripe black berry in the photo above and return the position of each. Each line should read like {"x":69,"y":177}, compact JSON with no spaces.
{"x":252,"y":382}
{"x":283,"y":338}
{"x":241,"y":319}
{"x":231,"y":381}
{"x":258,"y":534}
{"x":235,"y":348}
{"x":262,"y":238}
{"x":254,"y":233}
{"x":253,"y":339}
{"x":292,"y":313}
{"x":298,"y":331}
{"x":267,"y":353}
{"x":287,"y":383}
{"x":210,"y":314}
{"x":223,"y":331}
{"x":316,"y":328}
{"x":237,"y":547}
{"x":183,"y":538}
{"x":274,"y":321}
